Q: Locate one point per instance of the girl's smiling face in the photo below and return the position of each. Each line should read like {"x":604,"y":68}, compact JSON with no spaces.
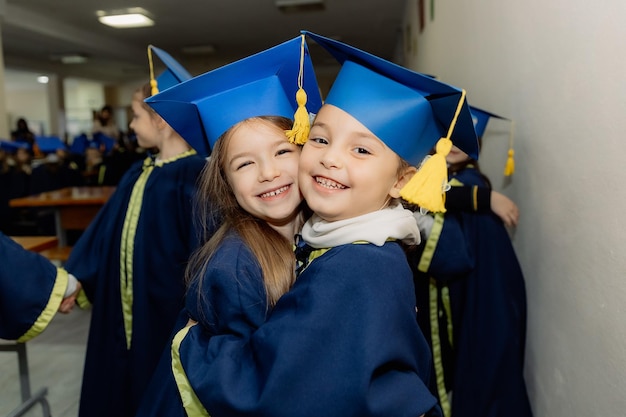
{"x":345,"y":170}
{"x":261,"y":167}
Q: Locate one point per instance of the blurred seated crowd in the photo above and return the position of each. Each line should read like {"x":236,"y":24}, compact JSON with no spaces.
{"x":31,"y":164}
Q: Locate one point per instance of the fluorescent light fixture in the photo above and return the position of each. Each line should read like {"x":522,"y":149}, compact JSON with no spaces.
{"x":74,"y":59}
{"x":70,"y":58}
{"x":43,"y":79}
{"x":133,"y":17}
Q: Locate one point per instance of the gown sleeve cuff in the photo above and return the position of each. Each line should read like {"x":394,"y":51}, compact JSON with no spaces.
{"x":56,"y":296}
{"x":190,"y":401}
{"x":82,"y":300}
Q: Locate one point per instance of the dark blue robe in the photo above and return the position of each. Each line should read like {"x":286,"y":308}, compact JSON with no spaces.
{"x":31,"y":291}
{"x":472,"y":308}
{"x":231,"y":300}
{"x":131,"y":263}
{"x":342,"y":342}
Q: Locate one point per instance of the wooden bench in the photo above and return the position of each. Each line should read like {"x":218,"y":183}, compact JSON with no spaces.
{"x":57,"y":253}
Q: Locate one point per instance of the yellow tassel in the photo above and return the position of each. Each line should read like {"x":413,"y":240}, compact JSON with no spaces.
{"x":509,"y":168}
{"x":427,"y":187}
{"x":154,"y":89}
{"x":301,"y":124}
{"x":153,"y":82}
{"x":299,"y":133}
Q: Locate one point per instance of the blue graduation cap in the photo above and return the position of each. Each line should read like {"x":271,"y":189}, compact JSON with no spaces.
{"x":79,"y":144}
{"x":100,"y":138}
{"x":174,"y":72}
{"x":481,"y":118}
{"x":263,"y":84}
{"x":49,"y":144}
{"x":12,"y":146}
{"x":173,"y":75}
{"x":407,"y":110}
{"x":410,"y":112}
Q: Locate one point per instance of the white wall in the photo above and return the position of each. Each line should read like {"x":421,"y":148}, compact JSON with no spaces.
{"x":558,"y":68}
{"x":82,"y":97}
{"x":30,"y":104}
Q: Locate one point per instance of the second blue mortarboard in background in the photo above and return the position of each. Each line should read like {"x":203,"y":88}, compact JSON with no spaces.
{"x":49,"y":144}
{"x":173,"y":75}
{"x":481,"y":118}
{"x":12,"y":146}
{"x":174,"y":72}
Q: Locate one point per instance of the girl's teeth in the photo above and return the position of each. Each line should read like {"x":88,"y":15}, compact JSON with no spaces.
{"x":275,"y":192}
{"x":325,"y":182}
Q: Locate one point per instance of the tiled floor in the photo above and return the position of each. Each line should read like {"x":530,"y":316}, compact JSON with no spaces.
{"x":55,"y":361}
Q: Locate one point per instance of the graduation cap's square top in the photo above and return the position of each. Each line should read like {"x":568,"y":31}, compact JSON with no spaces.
{"x":173,"y":75}
{"x":12,"y":146}
{"x":407,"y":110}
{"x":174,"y":72}
{"x":263,"y":84}
{"x":48,"y":144}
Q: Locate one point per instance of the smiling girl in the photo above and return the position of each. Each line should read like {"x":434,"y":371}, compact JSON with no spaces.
{"x":251,"y":180}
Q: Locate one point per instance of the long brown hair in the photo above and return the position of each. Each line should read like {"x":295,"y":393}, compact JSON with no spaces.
{"x":142,"y":93}
{"x":217,"y":204}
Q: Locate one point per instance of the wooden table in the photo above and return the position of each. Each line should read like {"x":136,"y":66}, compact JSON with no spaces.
{"x":74,"y":207}
{"x":36,"y":243}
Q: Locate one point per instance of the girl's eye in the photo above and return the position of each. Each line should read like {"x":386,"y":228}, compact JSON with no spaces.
{"x":243,"y":164}
{"x":321,"y":141}
{"x":362,"y":151}
{"x":283,"y":151}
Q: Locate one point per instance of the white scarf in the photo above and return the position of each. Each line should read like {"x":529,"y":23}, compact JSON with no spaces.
{"x":376,"y":228}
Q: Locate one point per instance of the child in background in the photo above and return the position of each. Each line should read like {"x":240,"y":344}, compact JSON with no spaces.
{"x":31,"y":291}
{"x":131,"y":262}
{"x":481,"y":199}
{"x":472,"y":304}
{"x":238,"y":275}
{"x":344,"y":341}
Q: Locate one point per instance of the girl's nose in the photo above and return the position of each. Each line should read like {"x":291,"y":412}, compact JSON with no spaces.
{"x":268,"y":171}
{"x":331,"y":159}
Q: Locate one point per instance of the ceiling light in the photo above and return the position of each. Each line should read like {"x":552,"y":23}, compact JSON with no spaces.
{"x":70,"y":58}
{"x":43,"y":79}
{"x":74,"y":59}
{"x":298,"y":6}
{"x":133,"y":17}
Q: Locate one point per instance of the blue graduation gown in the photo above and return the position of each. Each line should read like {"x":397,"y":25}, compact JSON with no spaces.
{"x":230,"y":300}
{"x":31,"y":290}
{"x":131,"y":262}
{"x":469,"y":278}
{"x":342,"y":342}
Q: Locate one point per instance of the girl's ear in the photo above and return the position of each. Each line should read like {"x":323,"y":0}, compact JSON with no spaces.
{"x":159,"y":121}
{"x":402,"y":180}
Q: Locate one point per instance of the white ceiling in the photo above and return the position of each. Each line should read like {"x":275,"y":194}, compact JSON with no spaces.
{"x":34,"y":31}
